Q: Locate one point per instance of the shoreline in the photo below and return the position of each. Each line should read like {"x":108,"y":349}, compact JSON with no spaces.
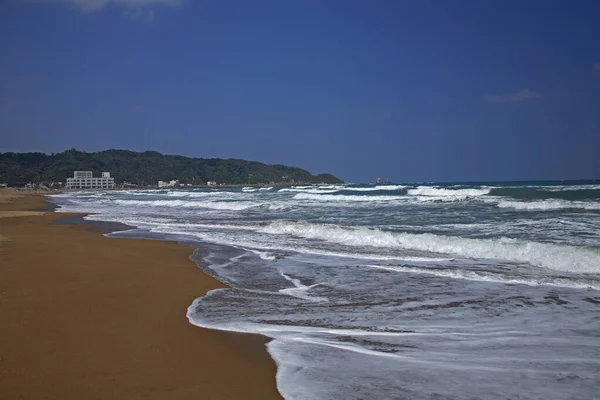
{"x":89,"y":316}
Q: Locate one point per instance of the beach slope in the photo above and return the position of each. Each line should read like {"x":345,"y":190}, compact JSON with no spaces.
{"x":83,"y":316}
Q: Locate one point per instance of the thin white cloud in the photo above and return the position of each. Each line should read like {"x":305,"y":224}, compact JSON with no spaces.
{"x":96,"y":5}
{"x":513,"y":97}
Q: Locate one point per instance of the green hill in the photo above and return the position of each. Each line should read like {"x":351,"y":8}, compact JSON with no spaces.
{"x":147,"y":168}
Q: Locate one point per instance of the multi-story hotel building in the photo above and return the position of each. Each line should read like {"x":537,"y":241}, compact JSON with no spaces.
{"x":85,"y":180}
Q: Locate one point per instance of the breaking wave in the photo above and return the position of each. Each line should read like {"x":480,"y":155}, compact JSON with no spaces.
{"x":376,"y":188}
{"x":547,"y":255}
{"x":455,"y":194}
{"x":549,"y":205}
{"x":308,"y":190}
{"x":375,"y":289}
{"x":342,"y":197}
{"x":482,"y":276}
{"x":544,"y":193}
{"x":214,"y":205}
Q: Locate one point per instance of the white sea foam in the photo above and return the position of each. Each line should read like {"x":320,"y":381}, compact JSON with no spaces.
{"x":300,"y":290}
{"x":495,"y":278}
{"x":375,"y":188}
{"x":308,"y":190}
{"x":214,"y":205}
{"x":336,"y":349}
{"x":344,"y":198}
{"x":220,"y":195}
{"x":447,"y":194}
{"x":422,"y":194}
{"x":553,"y":256}
{"x":147,"y":222}
{"x":543,"y":205}
{"x":312,"y":189}
{"x":267,"y":244}
{"x":338,"y":187}
{"x":569,"y":188}
{"x":263,"y":255}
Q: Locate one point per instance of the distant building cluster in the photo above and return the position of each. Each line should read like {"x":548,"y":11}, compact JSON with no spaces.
{"x":174,"y":183}
{"x":164,"y":184}
{"x":86,"y":180}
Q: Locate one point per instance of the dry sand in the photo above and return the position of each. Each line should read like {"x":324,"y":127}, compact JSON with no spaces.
{"x":83,"y":316}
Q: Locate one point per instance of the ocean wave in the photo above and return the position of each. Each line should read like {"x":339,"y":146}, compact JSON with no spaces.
{"x":254,"y":244}
{"x":344,"y":198}
{"x":199,"y":194}
{"x":374,"y":188}
{"x":548,"y":205}
{"x":387,"y":192}
{"x":263,"y":255}
{"x":308,"y":190}
{"x":537,"y":193}
{"x":300,"y":290}
{"x":444,"y":193}
{"x":214,"y":205}
{"x":553,"y":256}
{"x":373,"y":193}
{"x":137,"y":222}
{"x":561,"y":188}
{"x":481,"y":276}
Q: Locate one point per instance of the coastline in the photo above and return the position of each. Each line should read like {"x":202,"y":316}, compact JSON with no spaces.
{"x":88,"y":316}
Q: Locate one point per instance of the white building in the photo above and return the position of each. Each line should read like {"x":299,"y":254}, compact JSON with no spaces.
{"x":163,"y":184}
{"x":85,"y":180}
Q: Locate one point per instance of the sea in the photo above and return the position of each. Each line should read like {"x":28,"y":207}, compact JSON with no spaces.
{"x":408,"y":291}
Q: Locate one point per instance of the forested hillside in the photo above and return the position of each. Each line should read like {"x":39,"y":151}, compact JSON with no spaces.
{"x":147,"y":168}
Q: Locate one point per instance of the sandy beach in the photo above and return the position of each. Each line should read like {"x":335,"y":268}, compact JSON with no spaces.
{"x":83,"y":316}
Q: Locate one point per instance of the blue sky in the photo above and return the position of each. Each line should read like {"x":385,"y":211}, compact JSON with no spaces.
{"x":417,"y":90}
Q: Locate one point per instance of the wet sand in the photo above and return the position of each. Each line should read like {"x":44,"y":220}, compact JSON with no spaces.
{"x":83,"y":316}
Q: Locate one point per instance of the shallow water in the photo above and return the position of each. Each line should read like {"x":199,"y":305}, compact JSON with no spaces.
{"x":462,"y":291}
